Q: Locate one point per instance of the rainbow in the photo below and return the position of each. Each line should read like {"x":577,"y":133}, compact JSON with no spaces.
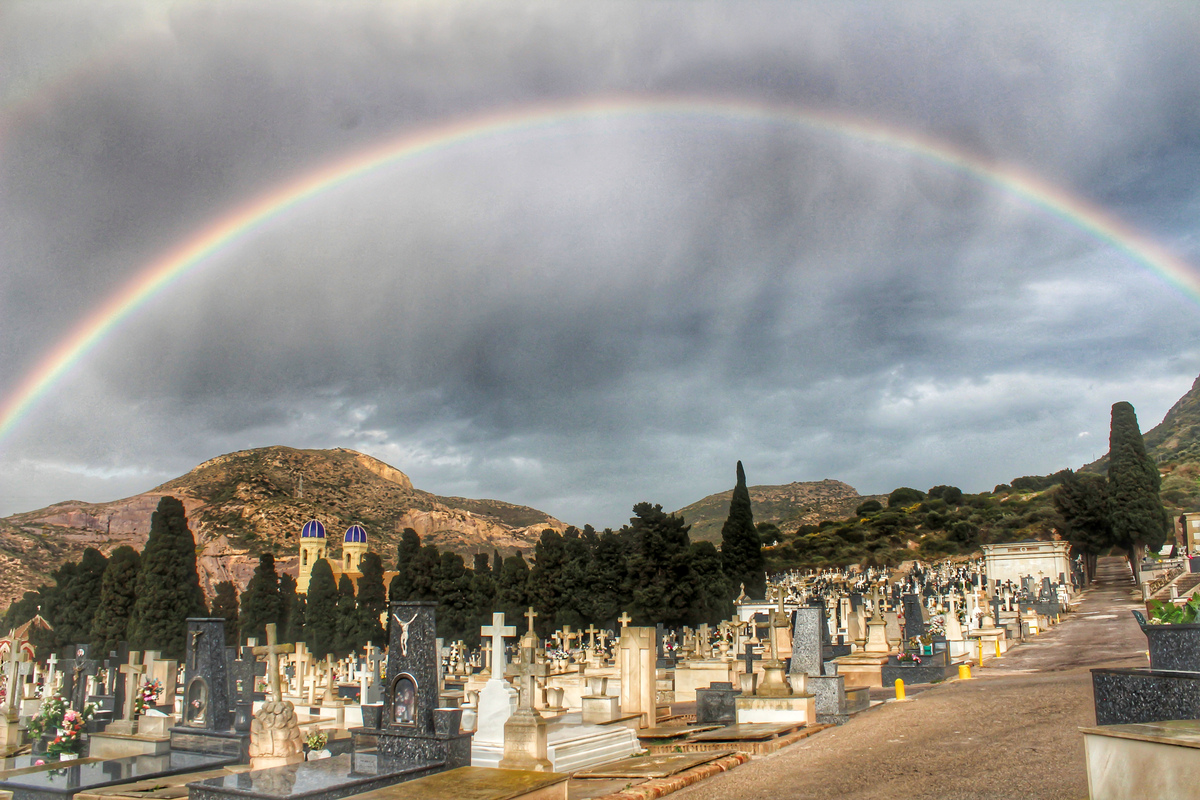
{"x":211,"y":239}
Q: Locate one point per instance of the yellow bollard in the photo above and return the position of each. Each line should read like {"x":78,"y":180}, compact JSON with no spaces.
{"x":899,"y":689}
{"x":964,"y":672}
{"x":997,"y":648}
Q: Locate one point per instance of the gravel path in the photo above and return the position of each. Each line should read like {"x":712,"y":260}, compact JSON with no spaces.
{"x":1012,"y":732}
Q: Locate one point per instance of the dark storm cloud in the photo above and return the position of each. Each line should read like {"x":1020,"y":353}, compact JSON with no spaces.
{"x":605,"y":311}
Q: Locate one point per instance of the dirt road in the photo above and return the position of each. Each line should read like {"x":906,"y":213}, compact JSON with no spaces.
{"x":1009,"y":733}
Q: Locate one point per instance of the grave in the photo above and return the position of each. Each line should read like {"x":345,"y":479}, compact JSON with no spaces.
{"x":497,"y":700}
{"x":78,"y":776}
{"x":206,"y":725}
{"x":715,"y":705}
{"x":1131,"y":762}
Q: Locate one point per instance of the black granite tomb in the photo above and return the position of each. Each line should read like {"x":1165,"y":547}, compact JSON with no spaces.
{"x":715,"y":705}
{"x":1127,"y":696}
{"x":414,"y":730}
{"x":72,"y":778}
{"x":206,"y":725}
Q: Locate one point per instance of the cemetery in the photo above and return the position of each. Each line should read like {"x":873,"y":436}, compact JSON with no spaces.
{"x":523,"y":716}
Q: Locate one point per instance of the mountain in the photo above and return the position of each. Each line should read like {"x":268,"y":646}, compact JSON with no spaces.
{"x":1175,"y":440}
{"x":252,"y":501}
{"x":788,"y":506}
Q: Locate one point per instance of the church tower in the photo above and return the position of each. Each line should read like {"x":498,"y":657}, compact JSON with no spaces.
{"x":312,"y":548}
{"x":354,"y":547}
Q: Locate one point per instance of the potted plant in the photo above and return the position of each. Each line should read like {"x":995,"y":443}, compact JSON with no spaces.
{"x":1172,"y":634}
{"x":315,"y":744}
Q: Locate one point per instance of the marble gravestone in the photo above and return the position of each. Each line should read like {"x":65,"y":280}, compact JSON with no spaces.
{"x":807,"y":653}
{"x":413,"y":730}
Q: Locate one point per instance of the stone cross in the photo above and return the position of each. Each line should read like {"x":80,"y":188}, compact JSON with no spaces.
{"x":51,"y":671}
{"x":529,"y":615}
{"x":133,"y":671}
{"x":529,"y":670}
{"x":12,"y":703}
{"x":750,"y":657}
{"x":624,"y":619}
{"x":591,"y":632}
{"x":331,"y":678}
{"x":272,"y":651}
{"x":498,"y":630}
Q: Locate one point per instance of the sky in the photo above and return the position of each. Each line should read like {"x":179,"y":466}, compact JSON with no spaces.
{"x":647,"y":240}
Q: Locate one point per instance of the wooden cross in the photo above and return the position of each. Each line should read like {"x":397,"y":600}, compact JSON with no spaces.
{"x":624,"y":619}
{"x":272,"y":651}
{"x":498,"y":630}
{"x":133,"y":670}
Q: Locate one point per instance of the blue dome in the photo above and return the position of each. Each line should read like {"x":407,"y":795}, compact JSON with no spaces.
{"x":312,"y":530}
{"x":355,"y":533}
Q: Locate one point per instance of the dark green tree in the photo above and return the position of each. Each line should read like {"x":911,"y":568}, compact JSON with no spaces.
{"x":168,"y":586}
{"x":78,"y":590}
{"x":479,"y":563}
{"x":497,"y":565}
{"x":741,"y":548}
{"x":225,"y":606}
{"x":110,"y":626}
{"x":1135,"y":509}
{"x":407,"y":551}
{"x":321,"y":611}
{"x":288,"y":602}
{"x":546,"y":579}
{"x":904,"y":496}
{"x":607,"y":579}
{"x":712,"y":601}
{"x":372,"y":602}
{"x":455,"y":610}
{"x":347,"y":618}
{"x":512,"y":592}
{"x":660,"y":568}
{"x":1082,"y":502}
{"x":261,"y":602}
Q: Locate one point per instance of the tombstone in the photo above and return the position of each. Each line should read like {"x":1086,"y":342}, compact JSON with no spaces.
{"x":807,"y":652}
{"x":498,"y":699}
{"x":413,"y":729}
{"x":914,"y":616}
{"x":525,"y":737}
{"x":638,"y":675}
{"x":275,"y":738}
{"x":132,"y":675}
{"x":83,"y":669}
{"x":715,"y":705}
{"x":242,"y":674}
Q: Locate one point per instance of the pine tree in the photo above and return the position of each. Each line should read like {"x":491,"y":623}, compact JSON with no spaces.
{"x":1135,"y":509}
{"x":660,"y":567}
{"x":607,"y":579}
{"x":320,"y":612}
{"x":225,"y":606}
{"x":372,"y":602}
{"x":168,"y":586}
{"x":261,"y":602}
{"x":741,"y":549}
{"x":110,"y":626}
{"x":1082,"y":502}
{"x":546,"y":579}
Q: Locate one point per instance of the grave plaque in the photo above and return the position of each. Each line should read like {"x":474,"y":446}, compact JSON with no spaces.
{"x":205,"y":677}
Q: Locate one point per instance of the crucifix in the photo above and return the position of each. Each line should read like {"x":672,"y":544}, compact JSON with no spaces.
{"x":403,"y":632}
{"x":272,"y":651}
{"x":196,"y":634}
{"x":498,"y":630}
{"x":132,"y":671}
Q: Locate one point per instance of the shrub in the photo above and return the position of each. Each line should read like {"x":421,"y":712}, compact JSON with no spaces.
{"x":904,"y":496}
{"x":868,"y":507}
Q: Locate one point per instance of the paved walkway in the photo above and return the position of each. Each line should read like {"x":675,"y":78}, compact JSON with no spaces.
{"x":1012,"y":732}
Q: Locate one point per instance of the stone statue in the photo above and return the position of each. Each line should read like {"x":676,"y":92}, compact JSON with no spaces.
{"x":275,"y":738}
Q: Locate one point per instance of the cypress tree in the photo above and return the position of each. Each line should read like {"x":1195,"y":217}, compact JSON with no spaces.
{"x":261,"y":602}
{"x":225,"y":606}
{"x":320,"y":612}
{"x":287,"y":605}
{"x":79,"y":589}
{"x":347,"y":618}
{"x":407,"y":551}
{"x":546,"y":579}
{"x":712,"y":601}
{"x":741,"y":549}
{"x":296,"y":619}
{"x":512,"y":591}
{"x":168,"y":586}
{"x":110,"y":626}
{"x":372,"y":602}
{"x":1135,"y":509}
{"x":497,"y":565}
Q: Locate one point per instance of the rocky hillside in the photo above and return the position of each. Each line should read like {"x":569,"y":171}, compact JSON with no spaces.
{"x":245,"y":503}
{"x":788,"y":506}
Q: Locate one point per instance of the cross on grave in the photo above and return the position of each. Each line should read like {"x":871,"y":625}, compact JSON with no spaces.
{"x":749,"y":656}
{"x":132,"y":671}
{"x":624,"y":619}
{"x":497,"y":631}
{"x":272,"y":651}
{"x":15,"y":657}
{"x":591,"y":632}
{"x":528,"y":672}
{"x":242,"y":672}
{"x":51,"y":671}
